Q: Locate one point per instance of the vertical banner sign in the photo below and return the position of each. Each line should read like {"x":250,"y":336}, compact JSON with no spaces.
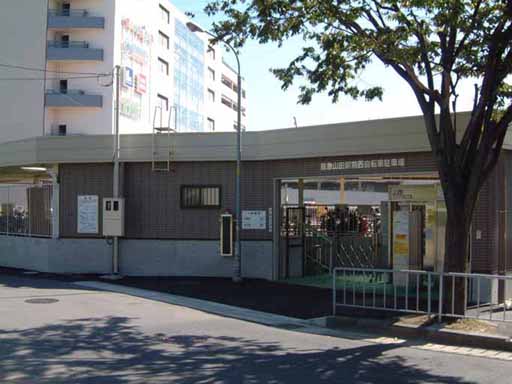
{"x":136,"y":42}
{"x":87,"y":214}
{"x":270,"y":222}
{"x":401,"y":239}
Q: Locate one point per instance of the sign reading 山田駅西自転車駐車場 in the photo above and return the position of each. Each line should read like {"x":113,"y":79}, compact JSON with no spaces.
{"x":362,"y":164}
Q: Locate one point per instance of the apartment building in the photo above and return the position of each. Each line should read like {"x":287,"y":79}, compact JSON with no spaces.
{"x":57,"y":77}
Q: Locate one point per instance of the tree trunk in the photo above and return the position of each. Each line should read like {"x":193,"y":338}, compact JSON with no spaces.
{"x":456,"y":256}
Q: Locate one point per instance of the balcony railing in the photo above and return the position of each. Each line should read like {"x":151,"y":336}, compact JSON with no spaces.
{"x":72,"y":98}
{"x":59,"y":50}
{"x":69,"y":12}
{"x":74,"y":18}
{"x":67,"y":44}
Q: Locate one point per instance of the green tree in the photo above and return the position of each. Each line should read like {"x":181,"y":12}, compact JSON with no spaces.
{"x":431,"y":45}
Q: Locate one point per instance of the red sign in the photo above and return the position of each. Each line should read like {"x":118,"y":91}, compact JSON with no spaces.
{"x":140,"y":84}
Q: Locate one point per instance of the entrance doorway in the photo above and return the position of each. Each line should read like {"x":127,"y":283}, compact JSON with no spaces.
{"x":360,"y":222}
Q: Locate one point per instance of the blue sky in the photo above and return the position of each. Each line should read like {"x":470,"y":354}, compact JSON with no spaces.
{"x":270,"y":108}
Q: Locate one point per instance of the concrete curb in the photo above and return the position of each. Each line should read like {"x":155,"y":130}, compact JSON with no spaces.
{"x":200,"y":305}
{"x":432,"y":333}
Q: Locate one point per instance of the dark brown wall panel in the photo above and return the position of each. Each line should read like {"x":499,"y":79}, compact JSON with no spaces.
{"x":482,"y":248}
{"x":81,"y":179}
{"x":153,"y":202}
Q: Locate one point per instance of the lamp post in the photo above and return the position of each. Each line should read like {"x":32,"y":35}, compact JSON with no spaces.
{"x":237,"y":267}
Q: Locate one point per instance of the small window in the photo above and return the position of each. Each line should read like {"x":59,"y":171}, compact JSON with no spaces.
{"x":228,"y":83}
{"x":211,"y":53}
{"x":211,"y":125}
{"x":211,"y":96}
{"x":164,"y":66}
{"x":227,"y":101}
{"x":211,"y":74}
{"x":164,"y":40}
{"x":164,"y":14}
{"x":62,"y":130}
{"x":163,"y":102}
{"x":200,"y":196}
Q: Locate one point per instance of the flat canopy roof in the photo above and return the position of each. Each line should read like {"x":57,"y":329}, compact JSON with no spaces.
{"x":397,"y":135}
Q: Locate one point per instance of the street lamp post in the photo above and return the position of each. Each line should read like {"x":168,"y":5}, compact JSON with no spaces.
{"x":237,"y":267}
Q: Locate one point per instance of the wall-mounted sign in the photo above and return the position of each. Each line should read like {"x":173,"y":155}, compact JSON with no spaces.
{"x":87,"y":214}
{"x":141,"y":84}
{"x":362,"y":164}
{"x":413,"y":192}
{"x":128,"y":77}
{"x":136,"y":44}
{"x":270,"y":218}
{"x":400,"y":245}
{"x":254,"y":220}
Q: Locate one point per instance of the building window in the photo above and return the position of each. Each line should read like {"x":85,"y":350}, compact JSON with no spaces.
{"x":62,"y":130}
{"x":228,"y":83}
{"x":211,"y":74}
{"x":211,"y":53}
{"x":207,"y":196}
{"x":164,"y":40}
{"x":211,"y":96}
{"x":164,"y":66}
{"x":163,"y":102}
{"x":165,"y":15}
{"x":211,"y":125}
{"x":227,"y":102}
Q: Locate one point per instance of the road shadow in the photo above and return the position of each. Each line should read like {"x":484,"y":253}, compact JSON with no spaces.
{"x":15,"y":278}
{"x":112,"y":350}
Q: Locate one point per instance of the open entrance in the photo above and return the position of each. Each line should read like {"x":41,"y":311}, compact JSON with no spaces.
{"x":395,"y":221}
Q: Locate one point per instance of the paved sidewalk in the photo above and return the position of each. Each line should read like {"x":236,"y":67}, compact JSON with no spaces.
{"x":201,"y":305}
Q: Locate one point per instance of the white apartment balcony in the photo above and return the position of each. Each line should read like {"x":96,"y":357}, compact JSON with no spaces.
{"x":72,"y":98}
{"x":73,"y":51}
{"x":74,"y":18}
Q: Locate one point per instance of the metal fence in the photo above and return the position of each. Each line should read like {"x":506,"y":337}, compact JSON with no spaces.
{"x":67,"y":44}
{"x":423,"y":292}
{"x":26,"y":210}
{"x":68,"y":12}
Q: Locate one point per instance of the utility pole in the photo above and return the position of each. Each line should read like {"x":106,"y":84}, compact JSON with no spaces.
{"x":237,"y":273}
{"x":237,"y":262}
{"x":115,"y":178}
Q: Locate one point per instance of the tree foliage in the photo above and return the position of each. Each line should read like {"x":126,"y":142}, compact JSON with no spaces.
{"x":430,"y":44}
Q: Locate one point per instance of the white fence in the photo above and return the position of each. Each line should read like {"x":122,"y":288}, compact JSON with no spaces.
{"x":423,"y":292}
{"x":26,"y":210}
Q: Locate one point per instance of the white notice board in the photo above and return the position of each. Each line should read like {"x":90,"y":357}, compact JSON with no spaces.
{"x":88,"y":214}
{"x":254,"y":220}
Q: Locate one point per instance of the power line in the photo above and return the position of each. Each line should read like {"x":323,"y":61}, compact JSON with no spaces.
{"x":10,"y":66}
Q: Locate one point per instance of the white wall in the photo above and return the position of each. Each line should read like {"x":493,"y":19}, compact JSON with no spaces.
{"x":81,"y":120}
{"x":226,"y":116}
{"x":22,"y":42}
{"x":147,"y":13}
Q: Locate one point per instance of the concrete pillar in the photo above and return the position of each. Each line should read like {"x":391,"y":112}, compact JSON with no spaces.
{"x":301,"y":192}
{"x":342,"y":190}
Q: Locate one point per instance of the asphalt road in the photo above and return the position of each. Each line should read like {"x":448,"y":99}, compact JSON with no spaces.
{"x":99,"y":337}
